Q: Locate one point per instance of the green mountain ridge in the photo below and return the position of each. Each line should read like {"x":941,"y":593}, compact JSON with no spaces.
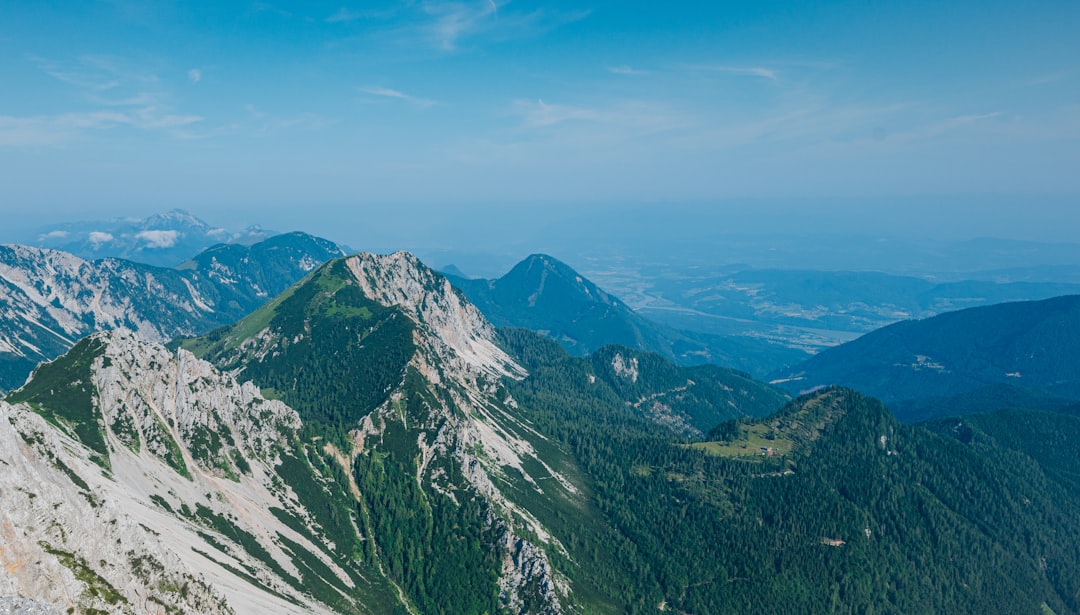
{"x":690,"y":400}
{"x":442,"y":466}
{"x":786,"y":529}
{"x":1024,"y":352}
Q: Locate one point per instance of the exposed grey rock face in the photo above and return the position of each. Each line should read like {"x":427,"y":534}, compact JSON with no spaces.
{"x":158,"y":528}
{"x":465,"y":337}
{"x":12,"y":605}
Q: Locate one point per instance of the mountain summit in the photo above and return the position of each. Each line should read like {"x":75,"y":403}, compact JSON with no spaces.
{"x":402,"y":377}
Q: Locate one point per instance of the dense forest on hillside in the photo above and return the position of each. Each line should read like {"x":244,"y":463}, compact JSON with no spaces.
{"x":827,"y":504}
{"x":864,"y":514}
{"x":1005,"y":355}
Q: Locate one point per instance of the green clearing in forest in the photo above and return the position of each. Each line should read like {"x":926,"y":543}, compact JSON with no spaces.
{"x":755,"y":442}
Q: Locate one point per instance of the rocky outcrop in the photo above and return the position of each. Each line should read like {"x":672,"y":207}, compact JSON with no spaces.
{"x":456,"y":351}
{"x":180,"y":518}
{"x":461,"y":335}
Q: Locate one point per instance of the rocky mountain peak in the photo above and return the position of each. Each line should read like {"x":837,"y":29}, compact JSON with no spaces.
{"x":177,"y":217}
{"x":401,"y":280}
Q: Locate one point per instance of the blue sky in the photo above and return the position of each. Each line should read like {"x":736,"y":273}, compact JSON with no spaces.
{"x":372,"y":113}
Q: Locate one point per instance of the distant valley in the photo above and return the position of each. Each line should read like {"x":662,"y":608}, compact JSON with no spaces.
{"x":804,"y":291}
{"x":811,"y":310}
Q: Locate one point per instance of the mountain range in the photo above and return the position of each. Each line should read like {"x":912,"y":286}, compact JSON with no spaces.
{"x":399,"y":393}
{"x":50,"y":299}
{"x":367,"y":442}
{"x":1018,"y":354}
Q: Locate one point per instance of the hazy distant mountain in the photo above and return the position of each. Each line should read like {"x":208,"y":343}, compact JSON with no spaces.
{"x":164,"y":240}
{"x":1027,"y":353}
{"x":49,"y":299}
{"x":545,"y":295}
{"x":455,"y":272}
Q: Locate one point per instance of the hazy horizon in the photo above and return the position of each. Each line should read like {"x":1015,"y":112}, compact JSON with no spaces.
{"x":388,"y":125}
{"x":428,"y":226}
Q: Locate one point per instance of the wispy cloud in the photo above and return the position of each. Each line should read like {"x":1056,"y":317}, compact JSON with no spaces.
{"x":970,"y":119}
{"x":194,"y":75}
{"x":626,"y":117}
{"x":1048,"y":78}
{"x":345,"y":15}
{"x":423,"y":103}
{"x":78,"y":75}
{"x":97,"y":72}
{"x":265,"y":7}
{"x":66,"y":127}
{"x":262,"y":123}
{"x":454,"y":20}
{"x":537,"y":114}
{"x":745,"y":71}
{"x":450,"y":26}
{"x":626,"y":70}
{"x":935,"y":129}
{"x":118,"y":96}
{"x":136,"y":99}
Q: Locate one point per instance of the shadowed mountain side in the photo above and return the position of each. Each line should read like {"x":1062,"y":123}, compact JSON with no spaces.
{"x":1010,"y":354}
